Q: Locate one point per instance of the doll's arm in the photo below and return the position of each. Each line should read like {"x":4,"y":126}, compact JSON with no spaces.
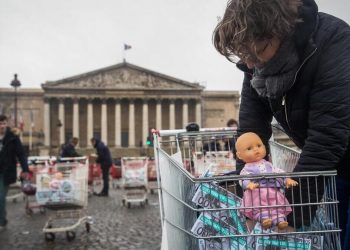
{"x":248,"y":184}
{"x":251,"y":185}
{"x":291,"y":183}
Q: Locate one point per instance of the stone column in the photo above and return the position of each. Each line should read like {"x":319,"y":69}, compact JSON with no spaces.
{"x":104,"y":121}
{"x":131,"y":123}
{"x":76,"y":117}
{"x":172,"y":114}
{"x":145,"y":128}
{"x":47,"y":122}
{"x":118,"y":121}
{"x":184,"y":113}
{"x":159,"y":114}
{"x":61,"y":119}
{"x":90,"y":123}
{"x":199,"y":112}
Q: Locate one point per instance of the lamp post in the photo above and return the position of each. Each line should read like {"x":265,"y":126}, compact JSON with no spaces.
{"x":15,"y":83}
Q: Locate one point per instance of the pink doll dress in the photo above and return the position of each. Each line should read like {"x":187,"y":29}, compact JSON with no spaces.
{"x":267,"y":194}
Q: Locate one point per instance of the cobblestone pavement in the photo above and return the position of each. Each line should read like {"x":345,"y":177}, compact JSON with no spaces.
{"x":114,"y":226}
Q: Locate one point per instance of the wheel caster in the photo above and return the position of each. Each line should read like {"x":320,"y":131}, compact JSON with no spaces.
{"x":88,"y":227}
{"x":70,"y":235}
{"x":49,"y":237}
{"x":42,"y":210}
{"x":29,"y":211}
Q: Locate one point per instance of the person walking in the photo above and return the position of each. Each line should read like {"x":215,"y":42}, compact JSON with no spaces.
{"x":296,"y":65}
{"x":11,"y":149}
{"x":104,"y":158}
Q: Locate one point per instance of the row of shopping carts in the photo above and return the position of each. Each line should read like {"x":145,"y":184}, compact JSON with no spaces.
{"x":63,"y":186}
{"x":118,"y":176}
{"x":201,"y":203}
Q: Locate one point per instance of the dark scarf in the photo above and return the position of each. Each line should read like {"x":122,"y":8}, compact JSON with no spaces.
{"x":276,"y":77}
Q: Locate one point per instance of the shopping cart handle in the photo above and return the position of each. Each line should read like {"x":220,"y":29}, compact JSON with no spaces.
{"x":235,"y":172}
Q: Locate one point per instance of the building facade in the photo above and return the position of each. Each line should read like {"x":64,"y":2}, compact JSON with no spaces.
{"x":119,"y":104}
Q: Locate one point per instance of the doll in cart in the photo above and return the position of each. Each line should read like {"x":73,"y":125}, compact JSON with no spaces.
{"x":264,"y":192}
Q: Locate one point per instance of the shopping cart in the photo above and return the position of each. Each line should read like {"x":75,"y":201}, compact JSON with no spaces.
{"x":36,"y":164}
{"x":135,"y":181}
{"x":152,"y":175}
{"x":63,"y":188}
{"x":116,"y":175}
{"x":206,"y":212}
{"x":95,"y":174}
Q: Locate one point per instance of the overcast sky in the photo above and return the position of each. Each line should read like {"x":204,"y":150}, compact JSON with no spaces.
{"x":46,"y":40}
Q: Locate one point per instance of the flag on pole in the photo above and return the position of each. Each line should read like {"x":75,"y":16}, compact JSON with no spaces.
{"x":127,"y":46}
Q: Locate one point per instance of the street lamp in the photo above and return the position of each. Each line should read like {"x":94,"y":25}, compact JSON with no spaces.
{"x":15,"y":83}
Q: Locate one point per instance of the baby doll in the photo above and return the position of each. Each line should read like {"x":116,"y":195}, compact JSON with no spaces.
{"x":263,"y":192}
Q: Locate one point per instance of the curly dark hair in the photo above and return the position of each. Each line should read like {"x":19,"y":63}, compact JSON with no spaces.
{"x":246,"y":22}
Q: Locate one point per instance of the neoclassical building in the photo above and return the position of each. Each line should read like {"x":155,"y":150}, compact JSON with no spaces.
{"x":119,"y":104}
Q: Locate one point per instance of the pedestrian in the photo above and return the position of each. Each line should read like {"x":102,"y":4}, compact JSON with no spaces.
{"x":68,"y":150}
{"x":296,"y":65}
{"x":104,"y":158}
{"x":11,"y":149}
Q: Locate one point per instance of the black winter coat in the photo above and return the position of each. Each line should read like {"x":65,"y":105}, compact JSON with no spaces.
{"x":104,"y":155}
{"x":315,"y":111}
{"x":68,"y":150}
{"x":11,"y":151}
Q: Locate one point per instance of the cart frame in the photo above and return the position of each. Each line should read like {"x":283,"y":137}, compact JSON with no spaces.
{"x":136,"y":193}
{"x":63,"y":212}
{"x":177,"y":187}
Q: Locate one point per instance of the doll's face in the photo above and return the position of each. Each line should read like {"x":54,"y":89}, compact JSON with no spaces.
{"x":250,"y":148}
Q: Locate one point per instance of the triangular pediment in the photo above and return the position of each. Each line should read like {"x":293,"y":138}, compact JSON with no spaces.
{"x":122,"y":76}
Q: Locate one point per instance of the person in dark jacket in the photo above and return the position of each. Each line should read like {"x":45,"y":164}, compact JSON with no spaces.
{"x":229,"y":144}
{"x":68,"y":150}
{"x":296,"y":64}
{"x":11,"y":150}
{"x":105,"y":159}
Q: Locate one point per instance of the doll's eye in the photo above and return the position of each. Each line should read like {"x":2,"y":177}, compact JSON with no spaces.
{"x":259,"y":145}
{"x":249,"y":148}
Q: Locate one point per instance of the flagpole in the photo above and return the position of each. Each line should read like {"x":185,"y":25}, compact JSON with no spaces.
{"x":30,"y":138}
{"x":31,"y":130}
{"x":124,"y":53}
{"x":125,"y":48}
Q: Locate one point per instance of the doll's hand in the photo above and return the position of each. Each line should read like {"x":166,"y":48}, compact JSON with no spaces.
{"x":291,"y":183}
{"x":252,"y":185}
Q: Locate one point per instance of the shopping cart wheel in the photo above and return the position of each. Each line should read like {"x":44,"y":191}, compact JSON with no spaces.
{"x":49,"y":237}
{"x":42,"y":210}
{"x":29,"y":211}
{"x":87,"y":226}
{"x":70,"y":235}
